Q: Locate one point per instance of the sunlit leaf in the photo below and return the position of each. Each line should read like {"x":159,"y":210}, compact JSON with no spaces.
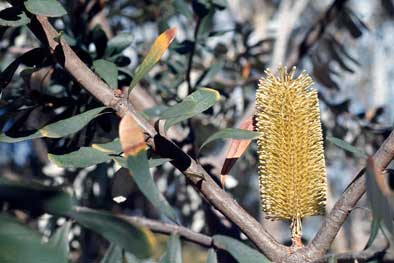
{"x":195,"y":103}
{"x":83,"y":157}
{"x":14,"y":17}
{"x":157,"y":50}
{"x":51,"y":8}
{"x":139,"y":168}
{"x":135,"y":239}
{"x":18,"y":243}
{"x":173,"y":252}
{"x":230,"y":133}
{"x":241,"y":252}
{"x":346,"y":146}
{"x":60,"y":128}
{"x":108,"y":71}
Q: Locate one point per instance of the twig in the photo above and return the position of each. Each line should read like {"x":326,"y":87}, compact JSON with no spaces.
{"x":335,"y":219}
{"x":164,"y":146}
{"x":165,"y":228}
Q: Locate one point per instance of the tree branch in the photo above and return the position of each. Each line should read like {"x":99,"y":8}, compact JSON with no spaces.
{"x":165,"y":228}
{"x":162,"y":145}
{"x":335,"y":219}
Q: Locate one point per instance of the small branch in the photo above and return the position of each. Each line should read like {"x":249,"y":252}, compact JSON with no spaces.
{"x":165,"y":228}
{"x":161,"y":144}
{"x":335,"y":219}
{"x":373,"y":253}
{"x":190,"y":61}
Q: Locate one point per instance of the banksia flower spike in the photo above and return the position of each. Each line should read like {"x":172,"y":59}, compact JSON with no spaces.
{"x":291,"y":162}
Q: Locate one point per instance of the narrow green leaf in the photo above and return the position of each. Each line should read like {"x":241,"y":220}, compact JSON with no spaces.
{"x":157,"y":50}
{"x":19,"y":243}
{"x":231,"y":133}
{"x":173,"y":252}
{"x":195,"y":103}
{"x":183,"y":8}
{"x":375,"y":225}
{"x":59,"y":239}
{"x":60,"y":128}
{"x":83,"y":157}
{"x":346,"y":146}
{"x":210,"y":73}
{"x":135,"y":239}
{"x":382,"y":208}
{"x":71,"y":125}
{"x":212,"y":257}
{"x":139,"y":168}
{"x":13,"y":17}
{"x":113,"y":147}
{"x":118,"y":43}
{"x":51,"y":8}
{"x":108,"y":71}
{"x":152,"y":162}
{"x":113,"y":255}
{"x":240,"y":251}
{"x":35,"y":196}
{"x":158,"y":161}
{"x":8,"y":139}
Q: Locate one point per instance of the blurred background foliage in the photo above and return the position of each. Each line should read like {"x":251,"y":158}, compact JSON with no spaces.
{"x":223,"y":45}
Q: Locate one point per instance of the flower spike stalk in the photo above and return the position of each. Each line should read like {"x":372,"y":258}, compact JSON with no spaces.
{"x":291,"y":168}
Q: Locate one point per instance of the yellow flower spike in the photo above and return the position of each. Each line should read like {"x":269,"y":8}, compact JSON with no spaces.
{"x":292,"y":171}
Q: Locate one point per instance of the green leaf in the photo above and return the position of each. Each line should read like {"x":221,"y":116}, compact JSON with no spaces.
{"x":59,"y":240}
{"x":139,"y":168}
{"x":108,"y":71}
{"x":152,"y":162}
{"x":83,"y":157}
{"x":34,"y":196}
{"x":71,"y":125}
{"x":210,"y":73}
{"x":18,"y":244}
{"x":240,"y":251}
{"x":346,"y":146}
{"x":51,"y":8}
{"x":173,"y":252}
{"x":375,"y":225}
{"x":135,"y":239}
{"x":60,"y":128}
{"x":212,"y":257}
{"x":230,"y":133}
{"x":157,"y":50}
{"x":195,"y":103}
{"x":382,"y":207}
{"x":113,"y":147}
{"x":13,"y":17}
{"x":113,"y":255}
{"x":118,"y":43}
{"x":181,"y":7}
{"x":158,"y":162}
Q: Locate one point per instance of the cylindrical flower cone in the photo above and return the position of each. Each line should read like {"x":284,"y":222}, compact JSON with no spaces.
{"x":291,"y":168}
